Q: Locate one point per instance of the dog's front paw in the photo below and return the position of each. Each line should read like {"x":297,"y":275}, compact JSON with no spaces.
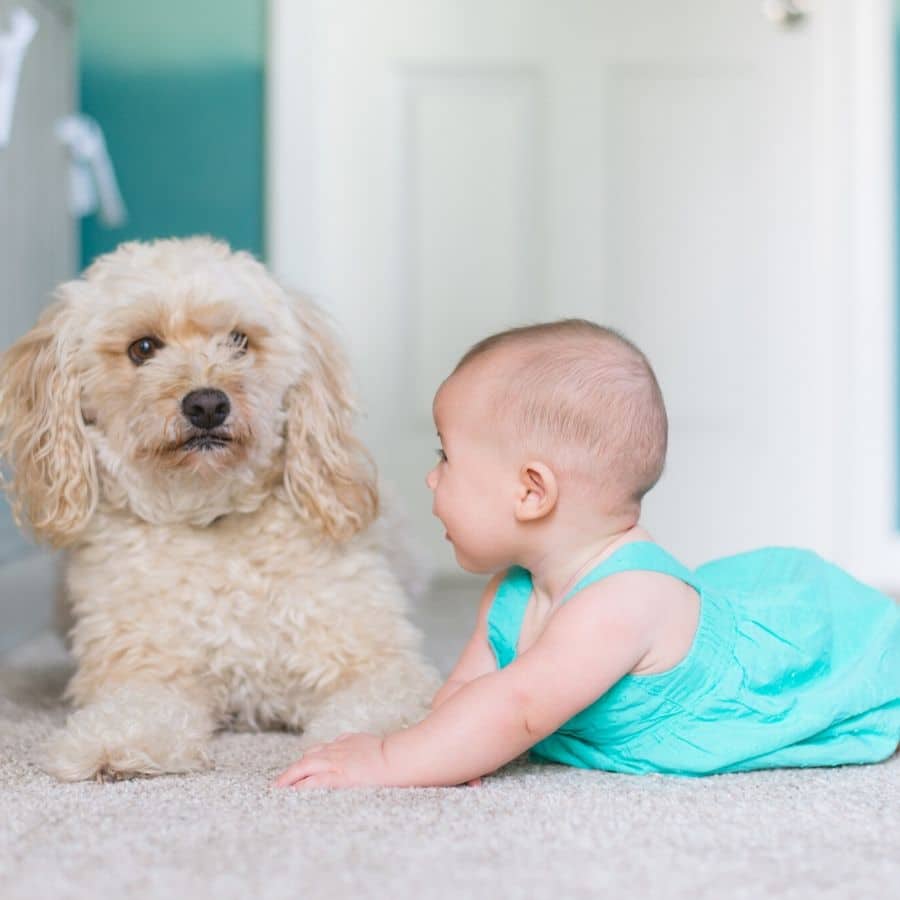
{"x":397,"y":696}
{"x":133,"y":731}
{"x":73,"y":755}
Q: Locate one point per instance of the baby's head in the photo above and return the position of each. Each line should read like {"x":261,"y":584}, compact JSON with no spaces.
{"x":570,"y":406}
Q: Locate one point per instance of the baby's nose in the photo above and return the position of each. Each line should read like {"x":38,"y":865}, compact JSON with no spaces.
{"x":431,"y":479}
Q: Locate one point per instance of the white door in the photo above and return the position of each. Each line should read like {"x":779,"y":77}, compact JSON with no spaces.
{"x":440,"y":169}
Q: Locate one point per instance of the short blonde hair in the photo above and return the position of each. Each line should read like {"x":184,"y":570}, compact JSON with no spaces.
{"x":586,"y":392}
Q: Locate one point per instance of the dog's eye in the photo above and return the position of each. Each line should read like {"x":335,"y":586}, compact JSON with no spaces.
{"x":143,"y":349}
{"x":239,"y":341}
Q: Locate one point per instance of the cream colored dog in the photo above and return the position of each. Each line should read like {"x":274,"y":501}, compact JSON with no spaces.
{"x":182,"y":425}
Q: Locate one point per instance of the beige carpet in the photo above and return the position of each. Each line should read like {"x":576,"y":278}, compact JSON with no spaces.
{"x":530,"y":831}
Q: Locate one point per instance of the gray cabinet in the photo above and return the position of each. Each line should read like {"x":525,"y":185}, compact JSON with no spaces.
{"x":38,"y":238}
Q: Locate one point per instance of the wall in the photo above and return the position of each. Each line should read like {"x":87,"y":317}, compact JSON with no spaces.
{"x":897,"y":254}
{"x":37,"y":234}
{"x":178,"y":90}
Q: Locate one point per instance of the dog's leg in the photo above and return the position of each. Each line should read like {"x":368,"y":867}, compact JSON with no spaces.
{"x":378,"y":701}
{"x":132,"y":729}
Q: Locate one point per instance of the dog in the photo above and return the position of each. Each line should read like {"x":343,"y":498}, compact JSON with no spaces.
{"x":182,"y":425}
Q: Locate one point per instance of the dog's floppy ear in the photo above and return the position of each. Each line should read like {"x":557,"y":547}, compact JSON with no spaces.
{"x":327,"y":472}
{"x":42,"y":435}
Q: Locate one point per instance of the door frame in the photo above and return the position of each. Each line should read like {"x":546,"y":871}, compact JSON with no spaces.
{"x":868,"y":474}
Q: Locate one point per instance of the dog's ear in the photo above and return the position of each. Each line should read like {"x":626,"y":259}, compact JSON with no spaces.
{"x":53,"y":488}
{"x":328,"y":473}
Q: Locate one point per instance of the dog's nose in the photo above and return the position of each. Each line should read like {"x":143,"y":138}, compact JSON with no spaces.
{"x":206,"y":408}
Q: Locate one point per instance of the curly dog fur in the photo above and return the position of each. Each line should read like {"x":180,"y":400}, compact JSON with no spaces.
{"x":182,"y":425}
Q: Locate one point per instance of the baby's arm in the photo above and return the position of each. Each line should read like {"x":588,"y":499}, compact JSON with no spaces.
{"x":587,"y":646}
{"x":476,"y":658}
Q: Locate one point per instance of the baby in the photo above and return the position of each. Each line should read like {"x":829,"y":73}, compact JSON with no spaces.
{"x":593,"y":647}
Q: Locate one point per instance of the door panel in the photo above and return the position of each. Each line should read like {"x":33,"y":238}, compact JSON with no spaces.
{"x":471,"y":166}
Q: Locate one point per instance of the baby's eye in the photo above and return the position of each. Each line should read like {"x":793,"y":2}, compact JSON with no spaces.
{"x":239,"y":341}
{"x":441,"y":455}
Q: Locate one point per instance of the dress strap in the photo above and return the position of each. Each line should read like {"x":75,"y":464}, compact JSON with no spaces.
{"x":504,"y":618}
{"x":638,"y":556}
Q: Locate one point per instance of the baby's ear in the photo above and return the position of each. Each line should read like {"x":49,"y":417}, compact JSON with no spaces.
{"x":328,"y":474}
{"x":538,"y":491}
{"x":53,"y":488}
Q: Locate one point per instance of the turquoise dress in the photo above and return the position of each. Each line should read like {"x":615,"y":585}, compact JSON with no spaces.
{"x":794,"y":663}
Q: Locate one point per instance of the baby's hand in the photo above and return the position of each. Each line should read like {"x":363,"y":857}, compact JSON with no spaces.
{"x":353,"y":760}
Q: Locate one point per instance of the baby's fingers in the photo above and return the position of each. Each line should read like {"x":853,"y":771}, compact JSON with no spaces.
{"x":324,"y":780}
{"x":318,"y":748}
{"x":303,"y":768}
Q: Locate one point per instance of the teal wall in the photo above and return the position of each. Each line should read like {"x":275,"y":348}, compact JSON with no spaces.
{"x":178,"y":88}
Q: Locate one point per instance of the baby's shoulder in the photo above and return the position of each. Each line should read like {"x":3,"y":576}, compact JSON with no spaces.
{"x":659,"y":607}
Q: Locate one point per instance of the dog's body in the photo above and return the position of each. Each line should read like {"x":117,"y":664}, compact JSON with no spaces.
{"x":227,"y":565}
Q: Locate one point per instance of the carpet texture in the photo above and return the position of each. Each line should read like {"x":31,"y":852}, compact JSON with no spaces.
{"x":529,"y":831}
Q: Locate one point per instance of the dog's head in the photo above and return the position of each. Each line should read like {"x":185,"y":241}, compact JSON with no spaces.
{"x":179,"y":380}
